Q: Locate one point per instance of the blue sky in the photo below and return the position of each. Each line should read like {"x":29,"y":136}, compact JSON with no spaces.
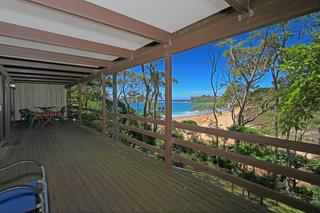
{"x":192,"y":68}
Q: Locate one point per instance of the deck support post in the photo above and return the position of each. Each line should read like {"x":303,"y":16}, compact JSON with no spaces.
{"x":80,"y":103}
{"x":168,"y":110}
{"x":68,"y":102}
{"x":115,"y":106}
{"x":103,"y":104}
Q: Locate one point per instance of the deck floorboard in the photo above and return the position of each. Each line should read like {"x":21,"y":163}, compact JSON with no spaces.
{"x":91,"y":173}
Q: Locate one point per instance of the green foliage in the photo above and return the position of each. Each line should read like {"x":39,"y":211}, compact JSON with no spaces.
{"x":202,"y":99}
{"x":190,"y":122}
{"x":315,"y":195}
{"x":314,"y":166}
{"x":301,"y":96}
{"x":202,"y":108}
{"x":244,"y":129}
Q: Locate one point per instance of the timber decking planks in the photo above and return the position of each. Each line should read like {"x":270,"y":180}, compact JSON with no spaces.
{"x":89,"y":172}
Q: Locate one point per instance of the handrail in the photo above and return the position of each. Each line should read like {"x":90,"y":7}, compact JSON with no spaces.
{"x":43,"y":179}
{"x":263,"y":140}
{"x":26,"y":162}
{"x":253,"y":187}
{"x":282,"y":170}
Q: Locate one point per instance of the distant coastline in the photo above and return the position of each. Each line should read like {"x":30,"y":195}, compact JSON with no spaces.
{"x":180,"y":108}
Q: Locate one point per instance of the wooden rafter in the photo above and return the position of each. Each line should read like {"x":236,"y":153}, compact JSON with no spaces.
{"x":26,"y":33}
{"x":41,"y":80}
{"x":6,"y":50}
{"x":22,"y":75}
{"x":107,"y":17}
{"x":239,"y":5}
{"x":44,"y":72}
{"x":47,"y":66}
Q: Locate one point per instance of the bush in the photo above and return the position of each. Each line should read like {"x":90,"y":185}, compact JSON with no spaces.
{"x":244,"y":129}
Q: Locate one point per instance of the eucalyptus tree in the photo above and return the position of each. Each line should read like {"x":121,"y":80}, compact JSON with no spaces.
{"x":248,"y":63}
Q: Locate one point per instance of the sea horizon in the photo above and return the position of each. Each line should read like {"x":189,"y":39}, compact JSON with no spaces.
{"x":180,"y":108}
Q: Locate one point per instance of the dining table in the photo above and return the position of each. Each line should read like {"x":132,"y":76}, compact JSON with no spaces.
{"x":47,"y":114}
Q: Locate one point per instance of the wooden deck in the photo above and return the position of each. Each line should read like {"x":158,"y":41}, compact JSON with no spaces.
{"x":91,"y":173}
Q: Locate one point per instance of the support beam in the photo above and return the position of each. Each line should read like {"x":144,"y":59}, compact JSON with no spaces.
{"x":115,"y":106}
{"x":41,"y":80}
{"x":103,"y":104}
{"x":226,"y":24}
{"x":168,"y":111}
{"x":107,"y":17}
{"x":47,"y":66}
{"x":25,"y":33}
{"x":68,"y":102}
{"x":43,"y":72}
{"x":80,"y":102}
{"x":6,"y":50}
{"x":26,"y":76}
{"x":239,"y":5}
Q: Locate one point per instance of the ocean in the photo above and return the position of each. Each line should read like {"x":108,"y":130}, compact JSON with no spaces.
{"x":180,"y":108}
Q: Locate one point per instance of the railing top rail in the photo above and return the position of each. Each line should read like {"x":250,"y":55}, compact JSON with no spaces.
{"x":263,"y":140}
{"x":268,"y":166}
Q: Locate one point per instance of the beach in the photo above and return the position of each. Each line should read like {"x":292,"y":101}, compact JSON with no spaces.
{"x":224,"y":119}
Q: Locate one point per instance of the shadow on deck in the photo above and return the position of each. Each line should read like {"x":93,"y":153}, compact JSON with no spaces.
{"x":90,"y":173}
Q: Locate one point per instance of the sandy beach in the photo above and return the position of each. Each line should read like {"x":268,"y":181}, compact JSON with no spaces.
{"x":224,"y":119}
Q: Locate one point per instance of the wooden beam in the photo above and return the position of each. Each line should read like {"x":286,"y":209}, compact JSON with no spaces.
{"x":20,"y":75}
{"x":25,"y":33}
{"x":68,"y":102}
{"x":107,"y":17}
{"x":115,"y":105}
{"x":44,"y":72}
{"x":80,"y":103}
{"x":6,"y":50}
{"x":226,"y":24}
{"x":43,"y":65}
{"x":239,"y":5}
{"x":37,"y":79}
{"x":103,"y":103}
{"x":39,"y":82}
{"x":219,"y":26}
{"x":168,"y":111}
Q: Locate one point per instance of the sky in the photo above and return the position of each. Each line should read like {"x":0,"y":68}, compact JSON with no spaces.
{"x":192,"y":68}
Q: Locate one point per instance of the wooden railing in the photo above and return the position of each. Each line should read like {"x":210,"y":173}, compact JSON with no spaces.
{"x":125,"y":126}
{"x":249,"y":185}
{"x":268,"y":166}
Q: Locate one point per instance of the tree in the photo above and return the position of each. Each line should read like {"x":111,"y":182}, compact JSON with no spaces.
{"x":128,"y":87}
{"x":301,"y":98}
{"x":248,"y":62}
{"x":216,"y":73}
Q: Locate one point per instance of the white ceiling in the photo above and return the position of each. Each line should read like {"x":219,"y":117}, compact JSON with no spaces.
{"x":29,"y":15}
{"x":169,"y":15}
{"x":52,"y":48}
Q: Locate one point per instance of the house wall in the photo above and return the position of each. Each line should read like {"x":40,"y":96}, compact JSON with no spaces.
{"x":31,"y":95}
